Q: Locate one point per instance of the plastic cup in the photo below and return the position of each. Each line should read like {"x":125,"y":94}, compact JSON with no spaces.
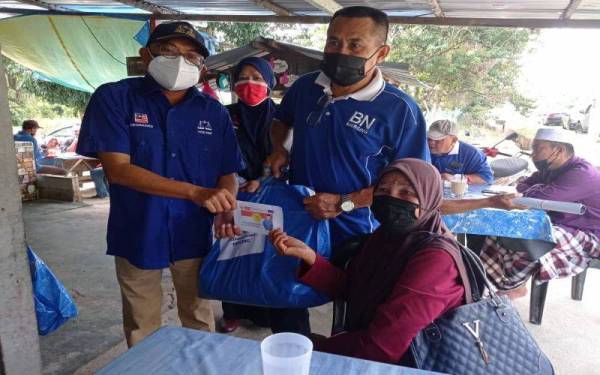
{"x":286,"y":354}
{"x":459,"y":188}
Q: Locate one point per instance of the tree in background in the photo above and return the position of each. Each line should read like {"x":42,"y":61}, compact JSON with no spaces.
{"x":237,"y":34}
{"x":470,"y":69}
{"x":29,"y":97}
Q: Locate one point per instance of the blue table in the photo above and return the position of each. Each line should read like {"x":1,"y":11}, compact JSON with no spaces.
{"x":518,"y":230}
{"x":521,"y":224}
{"x":172,"y":350}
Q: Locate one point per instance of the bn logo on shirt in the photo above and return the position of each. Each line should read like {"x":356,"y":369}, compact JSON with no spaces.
{"x":360,"y":122}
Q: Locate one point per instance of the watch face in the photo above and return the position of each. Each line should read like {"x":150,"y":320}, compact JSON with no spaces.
{"x":347,"y":206}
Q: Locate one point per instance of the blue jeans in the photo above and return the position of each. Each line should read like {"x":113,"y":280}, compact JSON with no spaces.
{"x":100,"y":181}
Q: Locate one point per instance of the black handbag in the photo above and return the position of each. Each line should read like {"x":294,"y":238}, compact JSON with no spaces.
{"x":483,"y":337}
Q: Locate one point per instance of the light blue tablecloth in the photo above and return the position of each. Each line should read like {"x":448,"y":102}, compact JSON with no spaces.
{"x":184,"y":351}
{"x":521,"y":224}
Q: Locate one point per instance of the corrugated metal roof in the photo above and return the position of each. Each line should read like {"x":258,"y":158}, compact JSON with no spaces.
{"x":214,"y":6}
{"x":548,"y":9}
{"x":588,"y":9}
{"x":530,"y":13}
{"x":303,"y":7}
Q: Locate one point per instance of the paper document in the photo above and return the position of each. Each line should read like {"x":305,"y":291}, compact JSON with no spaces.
{"x":257,"y":218}
{"x":541,"y":204}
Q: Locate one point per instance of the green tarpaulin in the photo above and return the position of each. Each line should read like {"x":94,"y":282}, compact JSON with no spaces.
{"x":78,"y":52}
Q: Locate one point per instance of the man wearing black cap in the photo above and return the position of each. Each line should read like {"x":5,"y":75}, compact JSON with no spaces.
{"x":171,"y":157}
{"x":27,"y":134}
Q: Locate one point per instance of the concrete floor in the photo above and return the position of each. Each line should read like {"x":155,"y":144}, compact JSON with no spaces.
{"x":70,"y":238}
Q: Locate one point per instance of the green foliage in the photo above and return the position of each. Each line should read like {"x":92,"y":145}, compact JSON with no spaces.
{"x":236,"y":34}
{"x":471,"y":69}
{"x":29,"y":97}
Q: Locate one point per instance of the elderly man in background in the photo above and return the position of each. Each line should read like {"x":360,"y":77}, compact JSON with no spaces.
{"x":451,"y":156}
{"x":561,"y":176}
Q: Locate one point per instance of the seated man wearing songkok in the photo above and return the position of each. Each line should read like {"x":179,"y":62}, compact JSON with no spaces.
{"x":451,"y":156}
{"x":560,"y":176}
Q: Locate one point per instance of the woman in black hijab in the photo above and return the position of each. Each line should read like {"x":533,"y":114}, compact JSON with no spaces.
{"x":253,"y":80}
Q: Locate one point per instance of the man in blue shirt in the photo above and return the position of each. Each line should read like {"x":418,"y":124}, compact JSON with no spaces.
{"x":451,"y":156}
{"x":171,"y":157}
{"x":348,"y":124}
{"x":27,"y":134}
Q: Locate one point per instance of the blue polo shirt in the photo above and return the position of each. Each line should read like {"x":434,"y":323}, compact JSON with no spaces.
{"x":355,"y":138}
{"x":23,"y":136}
{"x":464,"y":159}
{"x":192,"y":141}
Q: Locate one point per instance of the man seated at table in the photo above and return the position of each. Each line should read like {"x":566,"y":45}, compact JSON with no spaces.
{"x":451,"y":156}
{"x":561,"y":176}
{"x":27,"y":134}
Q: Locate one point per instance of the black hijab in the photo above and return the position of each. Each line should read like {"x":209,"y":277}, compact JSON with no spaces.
{"x":253,"y":123}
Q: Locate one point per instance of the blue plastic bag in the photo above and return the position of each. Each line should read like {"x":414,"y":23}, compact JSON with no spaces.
{"x":53,"y":304}
{"x":248,"y":270}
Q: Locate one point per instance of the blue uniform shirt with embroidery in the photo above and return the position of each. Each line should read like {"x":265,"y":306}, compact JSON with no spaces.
{"x":464,"y":159}
{"x":354,"y":139}
{"x":192,"y":141}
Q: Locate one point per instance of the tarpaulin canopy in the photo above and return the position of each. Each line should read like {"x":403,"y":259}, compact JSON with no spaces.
{"x":77,"y":52}
{"x":511,"y":13}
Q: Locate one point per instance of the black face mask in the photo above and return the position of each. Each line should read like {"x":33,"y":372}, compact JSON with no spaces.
{"x":541,"y":165}
{"x":344,"y":70}
{"x":395,"y":215}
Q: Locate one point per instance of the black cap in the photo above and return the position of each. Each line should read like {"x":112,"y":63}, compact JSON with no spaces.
{"x":30,"y":124}
{"x":178,"y":30}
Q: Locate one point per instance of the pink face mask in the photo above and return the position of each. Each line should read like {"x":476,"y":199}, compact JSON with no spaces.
{"x":250,"y":92}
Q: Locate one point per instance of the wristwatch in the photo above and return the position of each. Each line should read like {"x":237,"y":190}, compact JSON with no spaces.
{"x":347,"y":205}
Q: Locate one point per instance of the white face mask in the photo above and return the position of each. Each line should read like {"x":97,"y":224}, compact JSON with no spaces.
{"x":173,"y":74}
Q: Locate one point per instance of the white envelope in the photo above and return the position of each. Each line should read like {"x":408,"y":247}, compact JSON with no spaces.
{"x":257,"y":218}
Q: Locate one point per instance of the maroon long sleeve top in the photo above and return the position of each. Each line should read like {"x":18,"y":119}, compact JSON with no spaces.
{"x":427,"y":288}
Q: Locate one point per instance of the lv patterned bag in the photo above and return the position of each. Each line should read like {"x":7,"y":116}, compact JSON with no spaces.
{"x":484,"y":337}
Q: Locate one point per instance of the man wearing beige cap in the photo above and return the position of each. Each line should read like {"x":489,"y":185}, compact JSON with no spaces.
{"x":561,"y":176}
{"x":451,"y":156}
